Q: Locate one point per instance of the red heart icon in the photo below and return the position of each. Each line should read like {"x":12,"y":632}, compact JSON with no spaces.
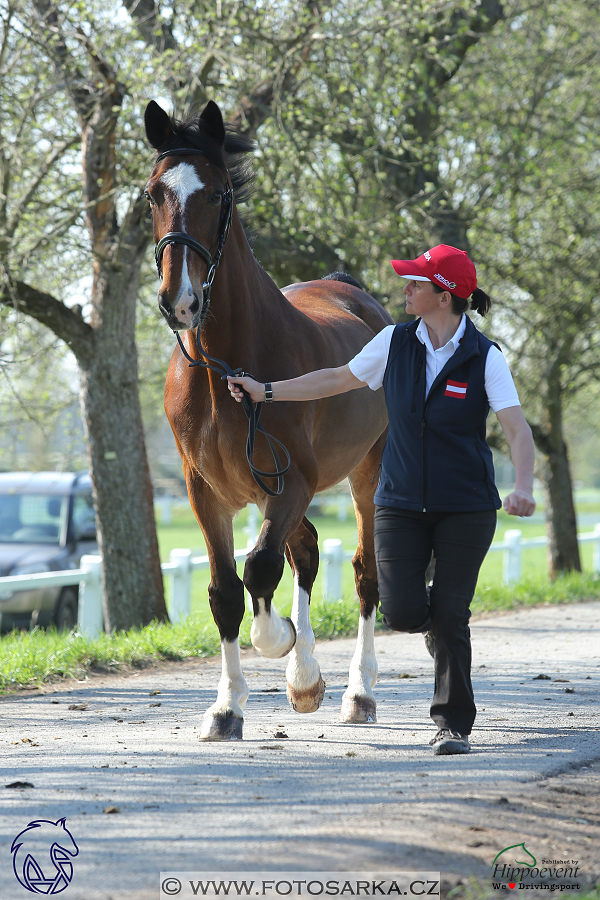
{"x":511,"y":884}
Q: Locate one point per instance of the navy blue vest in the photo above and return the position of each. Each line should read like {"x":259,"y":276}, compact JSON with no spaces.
{"x":436,"y":458}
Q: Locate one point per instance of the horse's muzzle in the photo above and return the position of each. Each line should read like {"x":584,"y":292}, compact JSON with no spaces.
{"x":172,"y":321}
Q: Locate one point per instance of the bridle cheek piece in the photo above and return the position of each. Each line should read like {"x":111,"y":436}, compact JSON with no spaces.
{"x":251,"y":409}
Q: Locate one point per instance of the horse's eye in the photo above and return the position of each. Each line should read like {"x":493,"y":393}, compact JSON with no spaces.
{"x":216,"y":198}
{"x":148,"y":198}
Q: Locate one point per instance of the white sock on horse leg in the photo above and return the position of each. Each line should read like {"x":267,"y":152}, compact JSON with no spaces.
{"x":233,"y":690}
{"x":363,"y":667}
{"x":270,"y":634}
{"x":302,"y":670}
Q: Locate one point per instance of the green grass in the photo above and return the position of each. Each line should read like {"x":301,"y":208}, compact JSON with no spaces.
{"x":535,"y":591}
{"x":34,"y":657}
{"x":29,"y":658}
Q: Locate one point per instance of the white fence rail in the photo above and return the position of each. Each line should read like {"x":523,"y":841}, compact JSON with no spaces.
{"x":181,"y":565}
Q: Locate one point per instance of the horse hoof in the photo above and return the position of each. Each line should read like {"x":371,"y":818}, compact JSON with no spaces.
{"x":221,"y":727}
{"x":307,"y":701}
{"x":358,"y":710}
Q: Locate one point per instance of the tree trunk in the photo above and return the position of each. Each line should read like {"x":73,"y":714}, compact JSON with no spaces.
{"x":561,"y":521}
{"x":132,"y":579}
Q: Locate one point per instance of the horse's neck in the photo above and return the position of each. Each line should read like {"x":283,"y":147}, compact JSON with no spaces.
{"x":245,"y":303}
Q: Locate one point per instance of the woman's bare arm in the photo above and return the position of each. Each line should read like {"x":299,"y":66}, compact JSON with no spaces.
{"x":518,"y":434}
{"x":312,"y":386}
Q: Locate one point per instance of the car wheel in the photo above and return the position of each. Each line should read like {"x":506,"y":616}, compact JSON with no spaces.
{"x":65,"y":614}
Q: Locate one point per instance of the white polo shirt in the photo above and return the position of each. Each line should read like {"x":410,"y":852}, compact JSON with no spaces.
{"x":369,"y":365}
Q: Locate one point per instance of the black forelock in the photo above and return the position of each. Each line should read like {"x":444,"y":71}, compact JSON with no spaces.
{"x":233,"y":156}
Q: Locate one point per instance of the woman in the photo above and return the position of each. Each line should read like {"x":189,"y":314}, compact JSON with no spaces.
{"x":436,"y":489}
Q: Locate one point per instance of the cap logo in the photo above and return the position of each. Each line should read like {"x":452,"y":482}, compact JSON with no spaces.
{"x":449,"y":284}
{"x":427,"y":255}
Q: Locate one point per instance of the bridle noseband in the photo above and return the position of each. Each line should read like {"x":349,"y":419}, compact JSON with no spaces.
{"x":251,"y":409}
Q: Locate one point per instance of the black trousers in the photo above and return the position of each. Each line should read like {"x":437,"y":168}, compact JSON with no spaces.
{"x":404,"y":541}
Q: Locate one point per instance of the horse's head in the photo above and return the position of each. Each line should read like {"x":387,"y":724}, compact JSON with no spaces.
{"x":188,"y":195}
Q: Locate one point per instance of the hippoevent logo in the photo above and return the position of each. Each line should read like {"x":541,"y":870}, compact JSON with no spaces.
{"x":449,"y":284}
{"x":42,"y":855}
{"x":516,"y":868}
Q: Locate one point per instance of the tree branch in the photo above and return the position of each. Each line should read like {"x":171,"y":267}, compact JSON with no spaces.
{"x":75,"y":83}
{"x":67,"y":324}
{"x":156,"y":32}
{"x":15,"y":217}
{"x":257,"y":106}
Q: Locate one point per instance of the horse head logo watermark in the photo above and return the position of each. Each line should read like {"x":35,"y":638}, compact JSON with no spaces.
{"x":511,"y":858}
{"x":42,"y":855}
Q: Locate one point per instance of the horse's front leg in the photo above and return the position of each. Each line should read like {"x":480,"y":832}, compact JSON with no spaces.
{"x":271,"y":634}
{"x":223,"y":721}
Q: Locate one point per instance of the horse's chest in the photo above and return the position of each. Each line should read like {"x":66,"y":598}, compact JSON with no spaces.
{"x":209,"y":446}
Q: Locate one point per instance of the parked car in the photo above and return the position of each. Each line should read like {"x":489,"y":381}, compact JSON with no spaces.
{"x":47,"y":524}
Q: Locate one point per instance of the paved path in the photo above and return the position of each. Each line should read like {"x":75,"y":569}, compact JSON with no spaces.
{"x":306,"y":793}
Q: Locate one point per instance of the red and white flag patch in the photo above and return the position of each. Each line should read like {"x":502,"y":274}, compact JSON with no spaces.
{"x":456,"y":389}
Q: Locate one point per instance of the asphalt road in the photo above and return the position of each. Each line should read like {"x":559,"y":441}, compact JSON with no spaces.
{"x":306,"y":793}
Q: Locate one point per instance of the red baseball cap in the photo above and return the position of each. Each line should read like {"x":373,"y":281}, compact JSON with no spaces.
{"x":445,"y":266}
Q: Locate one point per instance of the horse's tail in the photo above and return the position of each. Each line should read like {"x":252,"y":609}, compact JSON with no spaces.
{"x":343,"y":276}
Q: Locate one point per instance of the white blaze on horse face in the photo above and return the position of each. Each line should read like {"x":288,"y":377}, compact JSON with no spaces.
{"x":183,"y":181}
{"x":272,"y":636}
{"x":363,"y":668}
{"x":302,"y":671}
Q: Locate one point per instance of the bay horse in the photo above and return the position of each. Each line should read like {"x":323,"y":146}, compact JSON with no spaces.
{"x":200,"y":172}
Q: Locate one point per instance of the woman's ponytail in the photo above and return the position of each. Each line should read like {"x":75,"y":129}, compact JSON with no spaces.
{"x":480,"y":301}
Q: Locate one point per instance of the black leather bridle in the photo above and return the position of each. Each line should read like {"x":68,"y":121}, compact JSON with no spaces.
{"x":251,"y":409}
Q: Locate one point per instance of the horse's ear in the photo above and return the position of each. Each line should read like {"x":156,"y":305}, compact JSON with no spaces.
{"x":211,"y":122}
{"x":158,"y":125}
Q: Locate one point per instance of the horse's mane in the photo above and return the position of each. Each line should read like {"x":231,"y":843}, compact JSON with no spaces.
{"x":234,"y":155}
{"x":343,"y":276}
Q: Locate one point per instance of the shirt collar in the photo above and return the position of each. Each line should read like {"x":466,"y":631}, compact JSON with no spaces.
{"x":423,"y":335}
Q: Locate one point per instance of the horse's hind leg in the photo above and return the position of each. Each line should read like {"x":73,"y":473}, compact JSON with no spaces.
{"x":358,"y":702}
{"x":305,"y":686}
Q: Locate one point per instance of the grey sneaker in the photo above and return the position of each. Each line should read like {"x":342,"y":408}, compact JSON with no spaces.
{"x":430,"y":643}
{"x":448,"y":742}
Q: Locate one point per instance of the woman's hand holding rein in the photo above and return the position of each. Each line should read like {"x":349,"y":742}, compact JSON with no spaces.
{"x":237,"y":385}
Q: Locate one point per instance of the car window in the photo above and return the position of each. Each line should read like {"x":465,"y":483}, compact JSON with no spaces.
{"x":31,"y":518}
{"x":84,"y":519}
